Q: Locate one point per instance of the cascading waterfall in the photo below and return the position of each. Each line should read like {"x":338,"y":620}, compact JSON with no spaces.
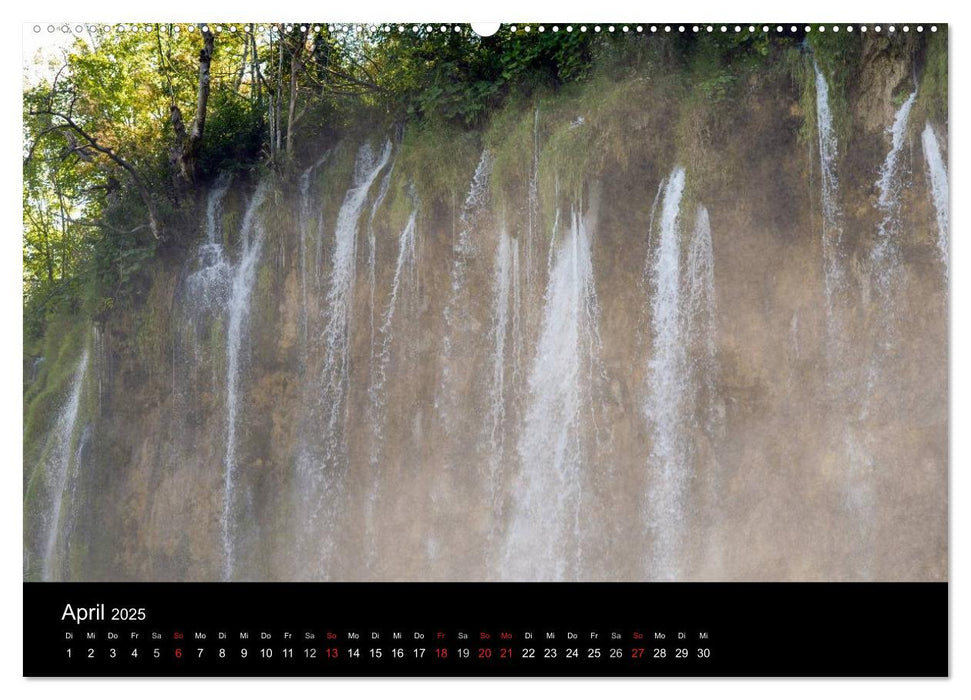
{"x":885,"y":255}
{"x":243,"y":279}
{"x":308,"y":226}
{"x":833,"y":273}
{"x":543,"y":538}
{"x":338,"y":302}
{"x":372,"y":257}
{"x":505,"y":328}
{"x":60,"y":452}
{"x":937,"y":174}
{"x":403,"y":271}
{"x":208,"y":284}
{"x":532,"y":205}
{"x":667,"y":388}
{"x":701,"y":312}
{"x":404,"y":267}
{"x":214,"y":207}
{"x":463,"y":252}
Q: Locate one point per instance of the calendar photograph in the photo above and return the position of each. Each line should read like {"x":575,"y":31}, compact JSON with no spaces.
{"x":419,"y":303}
{"x":405,"y":303}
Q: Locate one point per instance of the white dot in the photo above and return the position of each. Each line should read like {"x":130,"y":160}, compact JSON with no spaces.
{"x":556,"y":28}
{"x":876,"y":28}
{"x":920,"y":27}
{"x":751,"y":28}
{"x":934,"y":28}
{"x":694,"y":28}
{"x":793,"y":29}
{"x":765,"y":28}
{"x":906,"y":28}
{"x":891,"y":28}
{"x":526,"y":29}
{"x":836,"y":29}
{"x":597,"y":29}
{"x":863,"y":28}
{"x":583,"y":28}
{"x":822,"y":29}
{"x":808,"y":28}
{"x":541,"y":28}
{"x":849,"y":29}
{"x":738,"y":28}
{"x":779,"y":28}
{"x":681,"y":28}
{"x":667,"y":27}
{"x":569,"y":28}
{"x":626,"y":28}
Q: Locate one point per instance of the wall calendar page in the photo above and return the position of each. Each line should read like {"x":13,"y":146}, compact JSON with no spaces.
{"x":437,"y":349}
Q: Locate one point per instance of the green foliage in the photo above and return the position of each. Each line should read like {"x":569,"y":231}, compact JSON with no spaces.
{"x":459,"y":76}
{"x":932,"y":100}
{"x":235,"y":133}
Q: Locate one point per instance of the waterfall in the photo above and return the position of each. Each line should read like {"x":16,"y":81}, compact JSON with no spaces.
{"x":833,"y":274}
{"x":937,"y":174}
{"x":667,"y":387}
{"x":532,"y":209}
{"x":306,"y":223}
{"x":701,"y":311}
{"x":336,"y":333}
{"x":463,"y":251}
{"x":543,"y":539}
{"x":372,"y":257}
{"x":243,"y":279}
{"x":506,"y":326}
{"x":885,"y":254}
{"x":404,"y":266}
{"x":207,"y":286}
{"x":214,"y":207}
{"x":57,"y":468}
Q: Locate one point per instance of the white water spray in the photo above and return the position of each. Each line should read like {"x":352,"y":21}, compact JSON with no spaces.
{"x":339,"y":296}
{"x":207,"y":286}
{"x":833,"y":274}
{"x":886,"y":251}
{"x":506,"y":349}
{"x":404,"y":267}
{"x":937,"y":174}
{"x":57,"y":467}
{"x":667,"y":387}
{"x":543,"y":539}
{"x":243,"y":279}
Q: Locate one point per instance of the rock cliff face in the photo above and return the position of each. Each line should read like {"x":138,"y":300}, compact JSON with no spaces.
{"x":644,"y":333}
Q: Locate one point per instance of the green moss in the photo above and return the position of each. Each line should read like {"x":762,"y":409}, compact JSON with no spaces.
{"x":510,"y":140}
{"x":62,"y":347}
{"x":438,"y":160}
{"x":932,"y":97}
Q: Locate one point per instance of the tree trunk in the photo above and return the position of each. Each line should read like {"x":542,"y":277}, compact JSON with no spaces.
{"x":188,"y":145}
{"x":296,"y":63}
